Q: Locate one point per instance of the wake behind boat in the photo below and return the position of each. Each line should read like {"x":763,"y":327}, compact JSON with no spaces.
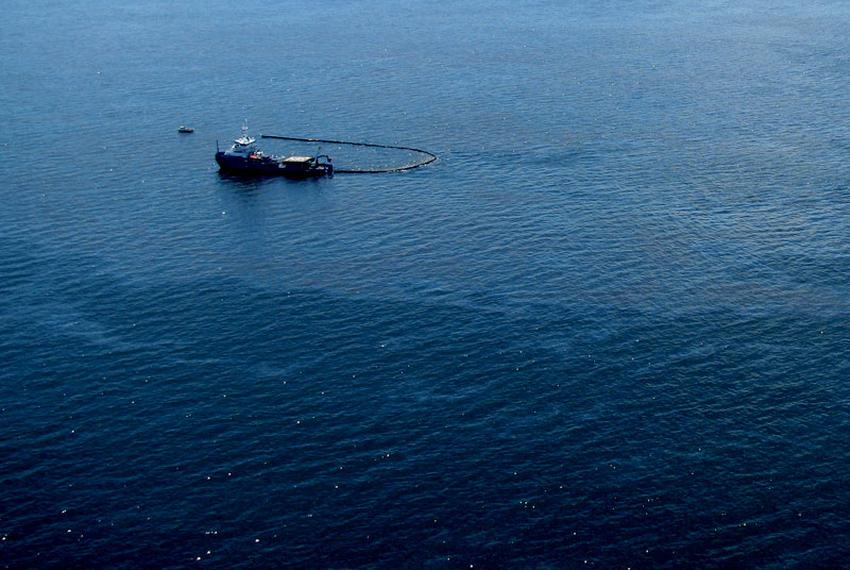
{"x":244,"y":157}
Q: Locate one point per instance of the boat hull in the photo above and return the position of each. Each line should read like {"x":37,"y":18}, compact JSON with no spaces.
{"x":267,"y":167}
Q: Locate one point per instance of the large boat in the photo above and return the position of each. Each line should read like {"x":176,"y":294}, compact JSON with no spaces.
{"x":245,"y":158}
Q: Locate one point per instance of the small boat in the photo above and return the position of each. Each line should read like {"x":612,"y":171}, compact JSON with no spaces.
{"x":245,"y":158}
{"x":185,"y":129}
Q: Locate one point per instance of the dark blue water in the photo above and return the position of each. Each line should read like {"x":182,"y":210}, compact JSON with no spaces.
{"x":608,"y":328}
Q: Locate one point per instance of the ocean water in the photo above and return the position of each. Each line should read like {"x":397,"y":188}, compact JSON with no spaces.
{"x":608,"y":328}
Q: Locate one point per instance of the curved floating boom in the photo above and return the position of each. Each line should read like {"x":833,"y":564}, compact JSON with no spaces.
{"x":431,"y":157}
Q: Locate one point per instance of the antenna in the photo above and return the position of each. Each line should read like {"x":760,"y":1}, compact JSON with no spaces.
{"x":245,"y":128}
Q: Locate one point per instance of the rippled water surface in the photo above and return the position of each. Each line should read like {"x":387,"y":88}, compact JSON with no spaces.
{"x":609,"y":327}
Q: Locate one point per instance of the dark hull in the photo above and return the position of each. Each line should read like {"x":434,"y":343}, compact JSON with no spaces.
{"x":267,"y":167}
